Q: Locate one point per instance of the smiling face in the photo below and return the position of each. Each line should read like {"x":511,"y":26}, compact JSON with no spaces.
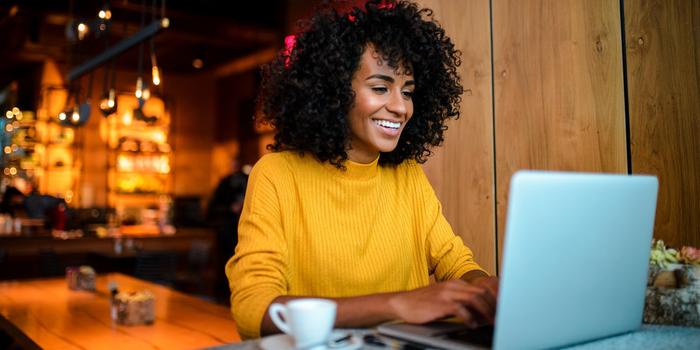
{"x":382,"y":107}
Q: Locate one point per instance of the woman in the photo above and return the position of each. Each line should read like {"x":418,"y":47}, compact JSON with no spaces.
{"x":342,"y":208}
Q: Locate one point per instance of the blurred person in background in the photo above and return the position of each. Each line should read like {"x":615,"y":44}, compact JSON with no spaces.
{"x":223,"y":212}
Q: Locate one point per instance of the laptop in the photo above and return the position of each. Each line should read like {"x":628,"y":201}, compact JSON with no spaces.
{"x":574,"y":268}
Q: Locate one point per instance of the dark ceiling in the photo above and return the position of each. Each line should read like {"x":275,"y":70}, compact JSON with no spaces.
{"x":217,"y":32}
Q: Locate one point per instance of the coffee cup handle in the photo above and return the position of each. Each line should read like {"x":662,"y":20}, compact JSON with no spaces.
{"x":275,"y":311}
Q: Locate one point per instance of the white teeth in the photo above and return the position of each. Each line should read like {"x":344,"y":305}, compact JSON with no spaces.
{"x":387,"y":124}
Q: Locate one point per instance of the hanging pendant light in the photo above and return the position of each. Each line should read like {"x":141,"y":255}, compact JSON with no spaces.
{"x":108,"y":103}
{"x":139,"y":88}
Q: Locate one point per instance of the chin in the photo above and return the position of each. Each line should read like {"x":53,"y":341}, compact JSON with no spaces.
{"x":387,"y":147}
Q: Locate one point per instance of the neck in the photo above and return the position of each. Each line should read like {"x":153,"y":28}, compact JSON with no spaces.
{"x":362,"y":157}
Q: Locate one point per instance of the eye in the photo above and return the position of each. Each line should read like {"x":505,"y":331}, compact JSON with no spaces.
{"x":407,"y":94}
{"x":380,"y":89}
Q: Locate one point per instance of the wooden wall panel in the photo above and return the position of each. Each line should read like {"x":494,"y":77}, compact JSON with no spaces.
{"x":663,"y":67}
{"x":559,"y":102}
{"x":461,"y":171}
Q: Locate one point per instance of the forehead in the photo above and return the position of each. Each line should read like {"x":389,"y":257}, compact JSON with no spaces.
{"x":372,"y":62}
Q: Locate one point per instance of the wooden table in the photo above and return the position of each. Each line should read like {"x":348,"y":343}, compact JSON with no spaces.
{"x":51,"y":316}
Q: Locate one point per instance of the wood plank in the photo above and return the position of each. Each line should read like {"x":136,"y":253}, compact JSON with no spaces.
{"x":663,"y":67}
{"x":461,"y":171}
{"x":54,"y":316}
{"x":559,"y":102}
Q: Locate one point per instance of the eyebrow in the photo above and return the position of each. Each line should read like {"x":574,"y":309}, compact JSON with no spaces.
{"x":389,"y":79}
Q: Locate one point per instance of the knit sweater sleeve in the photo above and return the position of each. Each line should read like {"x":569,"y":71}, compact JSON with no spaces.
{"x":257,"y":273}
{"x":448,"y":256}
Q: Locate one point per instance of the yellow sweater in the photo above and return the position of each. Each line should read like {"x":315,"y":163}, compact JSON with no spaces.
{"x":310,"y":229}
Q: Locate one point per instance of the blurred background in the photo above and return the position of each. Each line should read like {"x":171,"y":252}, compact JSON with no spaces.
{"x":128,"y":133}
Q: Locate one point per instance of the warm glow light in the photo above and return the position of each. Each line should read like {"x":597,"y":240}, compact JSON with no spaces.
{"x":124,"y":163}
{"x":101,"y":14}
{"x":20,"y":116}
{"x":13,"y":171}
{"x":9,"y":128}
{"x":62,"y":116}
{"x":8,"y":149}
{"x":112,"y":98}
{"x":9,"y":114}
{"x":6,"y":171}
{"x":127,"y":118}
{"x":139,"y":87}
{"x":75,"y":117}
{"x":15,"y":110}
{"x":82,"y":30}
{"x":198,"y":63}
{"x":146,"y":93}
{"x":159,"y":137}
{"x":156,"y":75}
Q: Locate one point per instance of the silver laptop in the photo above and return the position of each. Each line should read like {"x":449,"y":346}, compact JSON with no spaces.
{"x":574,"y":268}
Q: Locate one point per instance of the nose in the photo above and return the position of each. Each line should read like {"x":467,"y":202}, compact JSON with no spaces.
{"x":397,"y":104}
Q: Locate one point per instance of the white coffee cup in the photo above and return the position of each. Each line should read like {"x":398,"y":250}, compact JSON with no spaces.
{"x":309,"y":321}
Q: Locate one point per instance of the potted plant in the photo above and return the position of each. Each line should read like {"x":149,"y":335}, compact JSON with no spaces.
{"x":673,"y":286}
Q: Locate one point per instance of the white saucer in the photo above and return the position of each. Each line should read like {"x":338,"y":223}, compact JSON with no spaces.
{"x":286,"y":342}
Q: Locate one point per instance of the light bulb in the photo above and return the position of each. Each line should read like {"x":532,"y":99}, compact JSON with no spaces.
{"x":112,"y":98}
{"x":82,"y":30}
{"x":105,"y":14}
{"x":75,"y":117}
{"x":139,"y":88}
{"x":155,"y":72}
{"x":62,"y":116}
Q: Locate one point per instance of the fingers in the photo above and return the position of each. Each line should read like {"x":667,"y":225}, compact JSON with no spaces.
{"x":478,"y":301}
{"x":491,"y":284}
{"x":475,"y":302}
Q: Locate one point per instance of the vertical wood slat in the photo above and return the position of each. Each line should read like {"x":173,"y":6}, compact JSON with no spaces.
{"x":461,"y":171}
{"x":663,"y":67}
{"x":559,"y":101}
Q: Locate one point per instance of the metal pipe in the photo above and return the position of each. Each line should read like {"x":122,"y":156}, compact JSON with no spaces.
{"x":112,"y":52}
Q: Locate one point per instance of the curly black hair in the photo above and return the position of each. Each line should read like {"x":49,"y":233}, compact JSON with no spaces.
{"x":306,"y":91}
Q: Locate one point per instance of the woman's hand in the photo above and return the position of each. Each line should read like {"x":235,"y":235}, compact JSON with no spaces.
{"x":473,"y":302}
